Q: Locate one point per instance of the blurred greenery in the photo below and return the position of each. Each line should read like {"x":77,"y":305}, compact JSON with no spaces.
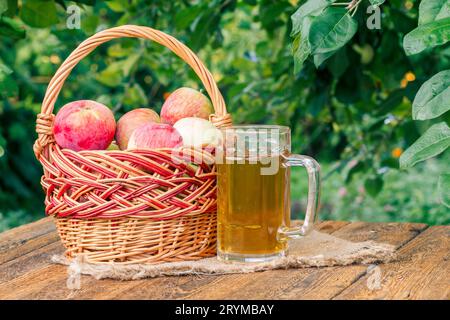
{"x":353,"y":112}
{"x":402,"y":198}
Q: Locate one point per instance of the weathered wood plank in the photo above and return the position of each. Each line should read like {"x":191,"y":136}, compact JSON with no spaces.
{"x":393,"y":233}
{"x":331,"y":281}
{"x":323,"y":283}
{"x":159,"y":288}
{"x":183,"y":287}
{"x":27,"y":231}
{"x":37,"y":282}
{"x":422,"y":273}
{"x":30,"y":277}
{"x":329,"y":226}
{"x":156,"y":288}
{"x":27,"y":238}
{"x":167,"y":287}
{"x":28,"y":262}
{"x":49,"y":282}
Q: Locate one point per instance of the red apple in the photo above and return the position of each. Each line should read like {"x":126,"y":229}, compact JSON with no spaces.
{"x":84,"y":125}
{"x":154,"y":135}
{"x":184,"y":103}
{"x":130,"y":121}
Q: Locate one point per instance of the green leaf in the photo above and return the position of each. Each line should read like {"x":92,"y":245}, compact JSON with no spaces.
{"x":39,"y":13}
{"x":366,"y":52}
{"x":373,"y":185}
{"x":8,"y":87}
{"x":300,"y":52}
{"x":118,"y":51}
{"x":3,"y":6}
{"x":270,"y":13}
{"x":331,"y":30}
{"x":338,"y":63}
{"x":61,"y":3}
{"x":359,"y":167}
{"x":376,"y":3}
{"x":301,"y":48}
{"x":203,"y":27}
{"x":12,"y":8}
{"x":5,"y":70}
{"x":186,"y":16}
{"x":390,"y":163}
{"x":322,"y":57}
{"x":301,"y":23}
{"x":431,"y":10}
{"x":433,"y":98}
{"x":90,"y":23}
{"x":135,"y":97}
{"x":426,"y":36}
{"x":118,"y":5}
{"x":394,"y":99}
{"x":112,"y":75}
{"x":444,"y":189}
{"x":434,"y":141}
{"x":130,"y":63}
{"x":86,"y":2}
{"x":11,"y":28}
{"x":311,"y":7}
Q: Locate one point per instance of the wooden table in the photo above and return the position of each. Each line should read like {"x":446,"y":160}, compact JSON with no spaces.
{"x":422,"y":272}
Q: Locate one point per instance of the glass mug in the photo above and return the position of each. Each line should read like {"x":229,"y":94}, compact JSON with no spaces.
{"x":253,"y":197}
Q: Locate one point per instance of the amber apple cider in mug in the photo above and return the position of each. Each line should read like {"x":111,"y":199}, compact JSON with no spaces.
{"x":253,"y":181}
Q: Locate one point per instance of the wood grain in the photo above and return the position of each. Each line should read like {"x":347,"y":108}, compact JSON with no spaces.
{"x":36,"y":282}
{"x":323,"y":283}
{"x":30,"y":261}
{"x":393,"y":233}
{"x":24,"y":239}
{"x":329,"y":283}
{"x":187,"y":287}
{"x":55,"y":287}
{"x":422,"y":273}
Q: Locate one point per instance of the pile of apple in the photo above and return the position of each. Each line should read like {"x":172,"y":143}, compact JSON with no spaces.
{"x":89,"y":125}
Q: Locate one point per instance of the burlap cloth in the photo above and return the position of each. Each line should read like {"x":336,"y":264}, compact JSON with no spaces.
{"x":315,"y":250}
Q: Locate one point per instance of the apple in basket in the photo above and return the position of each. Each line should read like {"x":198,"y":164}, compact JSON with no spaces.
{"x":197,"y":132}
{"x":84,"y":125}
{"x":155,"y":135}
{"x":132,"y":120}
{"x":183,"y":103}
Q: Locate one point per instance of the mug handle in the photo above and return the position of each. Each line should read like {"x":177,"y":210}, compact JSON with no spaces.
{"x":313,"y":169}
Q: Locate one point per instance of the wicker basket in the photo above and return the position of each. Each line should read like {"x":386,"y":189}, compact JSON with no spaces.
{"x":130,"y":206}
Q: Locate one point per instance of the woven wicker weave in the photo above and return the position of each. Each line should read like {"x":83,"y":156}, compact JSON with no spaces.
{"x":143,"y":206}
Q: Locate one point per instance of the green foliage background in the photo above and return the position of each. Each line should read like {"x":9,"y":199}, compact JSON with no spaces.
{"x":353,"y":112}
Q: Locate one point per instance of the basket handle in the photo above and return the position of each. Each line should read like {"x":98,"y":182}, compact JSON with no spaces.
{"x":44,"y":122}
